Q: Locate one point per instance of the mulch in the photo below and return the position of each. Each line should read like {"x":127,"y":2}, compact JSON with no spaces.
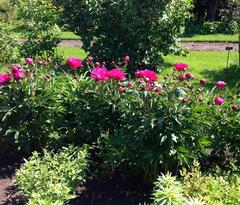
{"x":8,"y":193}
{"x":110,"y":190}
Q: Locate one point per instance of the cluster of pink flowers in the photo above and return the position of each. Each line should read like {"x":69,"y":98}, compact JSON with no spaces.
{"x":116,"y":74}
{"x":218,"y":100}
{"x":188,"y":76}
{"x":74,"y":63}
{"x":180,"y":66}
{"x":146,"y":74}
{"x":4,"y":79}
{"x":17,"y":72}
{"x":101,"y":74}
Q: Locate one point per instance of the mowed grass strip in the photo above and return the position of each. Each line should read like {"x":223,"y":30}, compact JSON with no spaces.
{"x":210,"y":38}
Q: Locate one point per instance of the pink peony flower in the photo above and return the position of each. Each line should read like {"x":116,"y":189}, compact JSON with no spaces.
{"x":234,"y":108}
{"x":40,"y":62}
{"x":218,"y":101}
{"x":15,"y":68}
{"x":126,"y":59}
{"x":100,"y":74}
{"x":158,"y":92}
{"x":149,"y":87}
{"x":180,"y":66}
{"x":189,"y":76}
{"x":130,"y":84}
{"x":89,"y":59}
{"x":74,"y":63}
{"x":146,"y":74}
{"x":116,"y":74}
{"x":122,"y":90}
{"x":28,"y":61}
{"x":203,"y":81}
{"x":4,"y":78}
{"x":182,"y":77}
{"x":98,"y":64}
{"x":220,"y":84}
{"x":19,"y":74}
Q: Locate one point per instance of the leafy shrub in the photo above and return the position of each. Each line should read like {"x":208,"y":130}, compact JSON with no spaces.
{"x":32,"y":105}
{"x":197,"y":188}
{"x":6,"y":11}
{"x":52,"y":179}
{"x":215,"y":27}
{"x":141,"y":125}
{"x":8,"y":45}
{"x":145,"y":30}
{"x":40,"y":19}
{"x":168,"y":191}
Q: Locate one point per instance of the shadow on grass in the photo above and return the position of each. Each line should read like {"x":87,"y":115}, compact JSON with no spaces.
{"x":231,"y":75}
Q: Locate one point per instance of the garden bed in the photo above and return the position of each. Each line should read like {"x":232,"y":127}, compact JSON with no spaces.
{"x":8,"y":194}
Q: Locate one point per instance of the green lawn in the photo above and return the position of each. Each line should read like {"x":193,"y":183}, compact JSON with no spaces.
{"x":210,"y":65}
{"x":64,"y":35}
{"x":212,"y":37}
{"x":195,"y":37}
{"x":68,"y":35}
{"x":72,"y":52}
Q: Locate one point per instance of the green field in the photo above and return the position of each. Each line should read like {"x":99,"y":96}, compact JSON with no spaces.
{"x":211,"y":38}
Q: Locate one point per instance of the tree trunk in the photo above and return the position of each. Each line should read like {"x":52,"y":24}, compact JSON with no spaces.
{"x":211,"y":9}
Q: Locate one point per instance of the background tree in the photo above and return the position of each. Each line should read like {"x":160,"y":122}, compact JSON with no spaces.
{"x":145,"y":30}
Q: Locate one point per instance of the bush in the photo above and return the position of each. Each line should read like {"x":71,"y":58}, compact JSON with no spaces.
{"x":141,"y":125}
{"x":9,"y":45}
{"x":32,"y":106}
{"x":40,"y":19}
{"x":145,"y":30}
{"x":52,"y":179}
{"x":6,"y":11}
{"x":216,"y":27}
{"x":197,"y":188}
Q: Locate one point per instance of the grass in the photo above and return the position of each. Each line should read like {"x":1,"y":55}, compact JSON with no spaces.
{"x":207,"y":64}
{"x":64,"y":35}
{"x":72,"y":52}
{"x":201,"y":61}
{"x":211,"y":37}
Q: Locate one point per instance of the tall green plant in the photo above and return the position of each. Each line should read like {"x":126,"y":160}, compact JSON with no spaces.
{"x":40,"y":18}
{"x":145,"y":30}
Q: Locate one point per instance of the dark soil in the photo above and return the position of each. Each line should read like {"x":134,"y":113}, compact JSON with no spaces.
{"x":113,"y":191}
{"x":8,"y":193}
{"x":104,"y":191}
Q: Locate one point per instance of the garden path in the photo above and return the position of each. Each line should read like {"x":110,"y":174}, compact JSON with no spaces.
{"x":192,"y":46}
